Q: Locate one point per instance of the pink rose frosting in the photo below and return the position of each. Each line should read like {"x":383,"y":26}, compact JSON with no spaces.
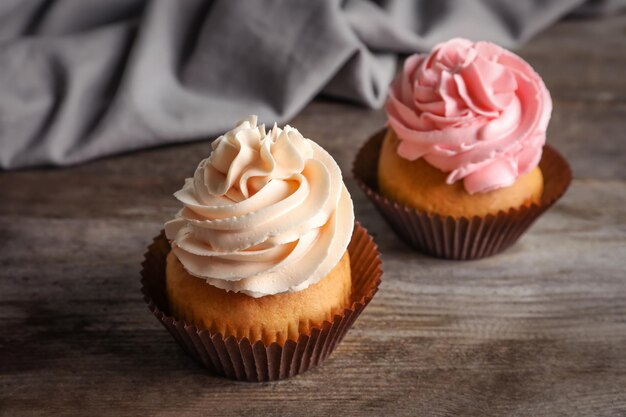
{"x":473,"y":110}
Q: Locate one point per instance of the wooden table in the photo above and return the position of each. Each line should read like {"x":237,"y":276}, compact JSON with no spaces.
{"x":538,"y":330}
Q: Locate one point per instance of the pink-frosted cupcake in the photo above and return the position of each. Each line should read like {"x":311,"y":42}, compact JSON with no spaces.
{"x":462,"y":171}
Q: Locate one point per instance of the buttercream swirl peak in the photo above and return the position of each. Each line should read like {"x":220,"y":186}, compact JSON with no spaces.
{"x":267,"y":212}
{"x":473,"y":110}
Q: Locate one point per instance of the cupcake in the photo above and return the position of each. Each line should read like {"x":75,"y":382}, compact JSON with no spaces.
{"x":464,"y":145}
{"x":261,"y":255}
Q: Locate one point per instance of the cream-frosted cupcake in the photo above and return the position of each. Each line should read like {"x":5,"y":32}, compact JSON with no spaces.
{"x":259,"y":251}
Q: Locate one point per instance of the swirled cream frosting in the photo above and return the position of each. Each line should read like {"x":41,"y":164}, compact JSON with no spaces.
{"x":267,"y":212}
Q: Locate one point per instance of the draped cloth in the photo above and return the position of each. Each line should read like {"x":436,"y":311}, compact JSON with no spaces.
{"x":81,"y":79}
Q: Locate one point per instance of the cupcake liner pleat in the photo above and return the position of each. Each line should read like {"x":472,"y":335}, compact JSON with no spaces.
{"x":460,"y":238}
{"x":244,"y":360}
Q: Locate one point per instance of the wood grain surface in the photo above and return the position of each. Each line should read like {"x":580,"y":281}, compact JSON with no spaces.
{"x":539,"y":330}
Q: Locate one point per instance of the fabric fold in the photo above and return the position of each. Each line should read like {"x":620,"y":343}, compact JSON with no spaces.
{"x":82,"y":80}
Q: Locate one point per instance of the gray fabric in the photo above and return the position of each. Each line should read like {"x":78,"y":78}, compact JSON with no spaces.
{"x":82,"y":79}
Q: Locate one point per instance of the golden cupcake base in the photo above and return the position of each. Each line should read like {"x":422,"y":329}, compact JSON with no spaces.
{"x":459,"y":238}
{"x":254,"y":361}
{"x":273,"y":318}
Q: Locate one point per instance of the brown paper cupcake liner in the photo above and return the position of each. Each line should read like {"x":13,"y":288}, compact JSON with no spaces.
{"x":246,"y":360}
{"x":460,"y":238}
